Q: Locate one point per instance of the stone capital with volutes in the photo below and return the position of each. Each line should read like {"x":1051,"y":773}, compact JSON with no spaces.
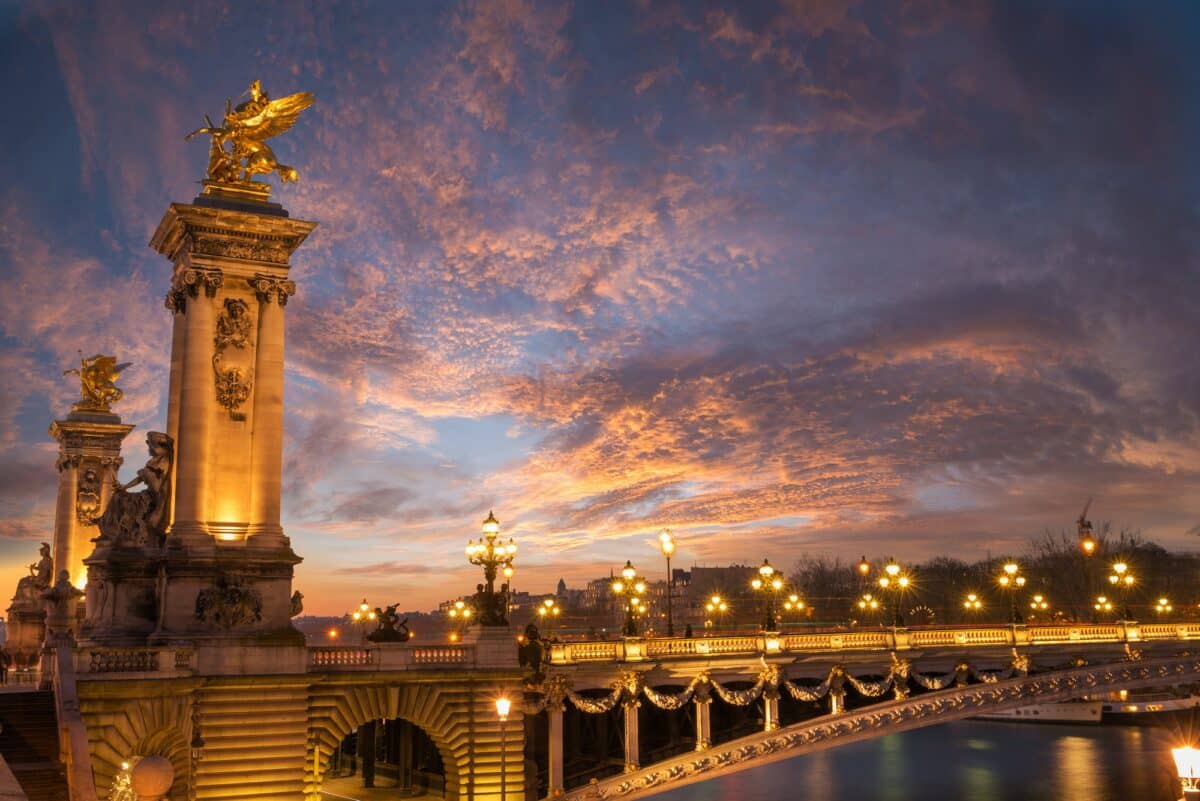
{"x":272,"y":288}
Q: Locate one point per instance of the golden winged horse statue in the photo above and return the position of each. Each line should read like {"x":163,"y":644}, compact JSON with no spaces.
{"x":97,"y":382}
{"x":238,"y":149}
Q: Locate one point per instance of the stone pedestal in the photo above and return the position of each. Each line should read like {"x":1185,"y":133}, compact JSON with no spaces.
{"x":89,"y":455}
{"x":495,"y":646}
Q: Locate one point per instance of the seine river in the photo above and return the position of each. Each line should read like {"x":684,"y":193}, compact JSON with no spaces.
{"x":967,"y":761}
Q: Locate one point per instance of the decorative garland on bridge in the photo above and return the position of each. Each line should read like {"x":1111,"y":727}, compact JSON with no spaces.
{"x":631,"y":684}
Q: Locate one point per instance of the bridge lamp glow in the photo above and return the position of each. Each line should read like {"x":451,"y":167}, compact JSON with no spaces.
{"x":1163,"y":606}
{"x":892,"y":569}
{"x":864,"y":567}
{"x":765,"y":570}
{"x":1088,"y":545}
{"x":503,"y":707}
{"x":628,"y":571}
{"x":884,"y":582}
{"x":1187,"y":765}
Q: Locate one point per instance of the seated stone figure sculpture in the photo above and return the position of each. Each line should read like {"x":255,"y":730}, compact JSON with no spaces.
{"x":138,"y":519}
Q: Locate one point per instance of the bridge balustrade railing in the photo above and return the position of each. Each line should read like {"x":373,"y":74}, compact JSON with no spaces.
{"x":637,"y":649}
{"x":389,"y":657}
{"x":111,"y":662}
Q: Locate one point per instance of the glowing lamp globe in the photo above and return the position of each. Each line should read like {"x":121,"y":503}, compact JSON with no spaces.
{"x":152,"y":777}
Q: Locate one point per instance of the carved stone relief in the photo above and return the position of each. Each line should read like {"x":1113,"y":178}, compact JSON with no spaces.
{"x":87,"y":496}
{"x":234,"y":356}
{"x":229,"y":603}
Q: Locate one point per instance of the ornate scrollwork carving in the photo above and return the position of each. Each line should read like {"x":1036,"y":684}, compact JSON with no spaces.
{"x":233,"y":346}
{"x":269,"y":288}
{"x":87,"y":497}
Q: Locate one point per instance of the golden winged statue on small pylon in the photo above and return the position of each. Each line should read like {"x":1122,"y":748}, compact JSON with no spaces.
{"x":97,"y":377}
{"x":238,"y":150}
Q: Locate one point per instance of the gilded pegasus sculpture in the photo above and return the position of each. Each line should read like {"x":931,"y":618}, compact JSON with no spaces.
{"x":238,"y":150}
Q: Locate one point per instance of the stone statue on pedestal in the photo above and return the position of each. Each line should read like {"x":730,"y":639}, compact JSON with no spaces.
{"x":42,"y":570}
{"x":60,"y":604}
{"x":137,"y":519}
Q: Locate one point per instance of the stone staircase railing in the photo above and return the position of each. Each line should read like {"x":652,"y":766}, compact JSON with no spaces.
{"x":635,"y":649}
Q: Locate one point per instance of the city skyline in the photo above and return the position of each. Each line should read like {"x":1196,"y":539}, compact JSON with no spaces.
{"x":798,"y":280}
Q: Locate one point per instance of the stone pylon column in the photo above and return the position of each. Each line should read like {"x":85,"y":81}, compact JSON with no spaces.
{"x":231,"y":257}
{"x":89,"y":454}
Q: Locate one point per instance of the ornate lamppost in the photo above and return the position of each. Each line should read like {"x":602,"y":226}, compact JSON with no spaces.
{"x":364,"y":616}
{"x":972,"y":604}
{"x":769,"y":582}
{"x":460,"y":614}
{"x":1039,"y":604}
{"x":503,"y":705}
{"x":1011,"y":580}
{"x":896,"y":582}
{"x":868,"y":605}
{"x":793,"y":603}
{"x":630,"y":587}
{"x":667,"y":543}
{"x":1163,"y":607}
{"x":548,"y":611}
{"x":1102,"y":605}
{"x":716,"y":607}
{"x":492,"y":556}
{"x":1122,"y":579}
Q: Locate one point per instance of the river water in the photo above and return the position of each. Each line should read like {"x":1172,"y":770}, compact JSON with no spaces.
{"x":967,"y":761}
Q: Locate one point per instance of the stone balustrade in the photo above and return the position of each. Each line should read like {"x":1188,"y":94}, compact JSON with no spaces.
{"x":659,"y":648}
{"x":139,"y":662}
{"x":337,"y":658}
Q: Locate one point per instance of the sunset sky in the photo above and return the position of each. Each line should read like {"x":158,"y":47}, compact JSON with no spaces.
{"x":799,"y":278}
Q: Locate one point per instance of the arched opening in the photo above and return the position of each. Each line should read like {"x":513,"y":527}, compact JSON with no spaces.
{"x":386,"y":754}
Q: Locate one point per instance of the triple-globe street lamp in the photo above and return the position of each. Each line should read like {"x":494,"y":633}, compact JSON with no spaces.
{"x":716,"y":607}
{"x":895,"y":582}
{"x":1011,"y":581}
{"x":494,"y":557}
{"x":548,"y":611}
{"x":1122,"y":580}
{"x":631,"y":588}
{"x":770,"y":582}
{"x":363,"y":616}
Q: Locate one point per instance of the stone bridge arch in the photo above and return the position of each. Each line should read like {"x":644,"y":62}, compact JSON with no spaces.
{"x":458,"y":717}
{"x":120,"y":728}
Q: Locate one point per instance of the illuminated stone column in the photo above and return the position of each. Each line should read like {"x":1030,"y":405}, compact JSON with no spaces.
{"x":225,"y":547}
{"x":193,"y":355}
{"x":703,"y":708}
{"x":89,"y":451}
{"x":266,"y":468}
{"x":632,"y":748}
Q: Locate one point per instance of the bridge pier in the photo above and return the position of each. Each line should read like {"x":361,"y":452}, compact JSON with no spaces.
{"x":632,"y":748}
{"x":703,"y":707}
{"x":366,"y":752}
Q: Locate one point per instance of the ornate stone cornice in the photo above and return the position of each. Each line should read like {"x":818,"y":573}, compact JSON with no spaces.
{"x":271,"y":288}
{"x":229,"y":234}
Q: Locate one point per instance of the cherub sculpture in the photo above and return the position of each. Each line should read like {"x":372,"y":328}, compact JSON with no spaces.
{"x":97,"y":392}
{"x":238,"y":150}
